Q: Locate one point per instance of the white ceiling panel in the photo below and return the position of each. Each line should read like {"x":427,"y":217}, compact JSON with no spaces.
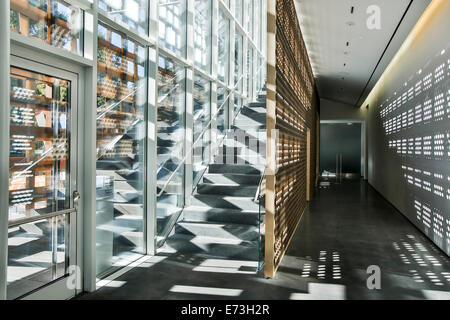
{"x":345,"y":54}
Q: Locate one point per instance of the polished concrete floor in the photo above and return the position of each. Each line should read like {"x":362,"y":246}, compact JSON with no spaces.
{"x":347,"y":228}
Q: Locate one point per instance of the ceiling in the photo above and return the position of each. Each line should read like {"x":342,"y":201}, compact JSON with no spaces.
{"x":346,"y":56}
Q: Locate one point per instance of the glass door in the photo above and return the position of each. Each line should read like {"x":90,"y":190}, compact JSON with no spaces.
{"x":42,"y":187}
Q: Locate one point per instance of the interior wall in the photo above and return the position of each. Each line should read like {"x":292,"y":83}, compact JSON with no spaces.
{"x":409,"y":127}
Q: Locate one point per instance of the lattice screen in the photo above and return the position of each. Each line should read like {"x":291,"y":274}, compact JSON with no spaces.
{"x":292,"y":110}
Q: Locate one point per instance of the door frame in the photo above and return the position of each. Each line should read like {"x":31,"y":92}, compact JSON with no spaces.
{"x":41,"y":63}
{"x":363,"y":142}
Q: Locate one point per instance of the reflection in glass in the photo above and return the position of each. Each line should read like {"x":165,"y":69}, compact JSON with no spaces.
{"x":224,"y":48}
{"x":39,"y":180}
{"x":256,"y":25}
{"x":121,"y":131}
{"x":171,"y":138}
{"x":238,"y":62}
{"x":39,"y":146}
{"x":172,"y":26}
{"x":201,"y":118}
{"x":51,"y":21}
{"x":238,"y":7}
{"x":133,"y":13}
{"x":250,"y":18}
{"x":237,"y":104}
{"x":249,"y":73}
{"x":202,"y":34}
{"x":222,"y":100}
{"x":37,"y":255}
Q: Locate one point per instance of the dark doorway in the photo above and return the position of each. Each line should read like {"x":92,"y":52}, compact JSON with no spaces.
{"x":340,"y":148}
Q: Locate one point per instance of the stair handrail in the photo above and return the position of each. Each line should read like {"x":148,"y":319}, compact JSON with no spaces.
{"x":183,"y":160}
{"x":258,"y":190}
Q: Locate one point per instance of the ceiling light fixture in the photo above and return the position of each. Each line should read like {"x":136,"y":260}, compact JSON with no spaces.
{"x":352,"y":9}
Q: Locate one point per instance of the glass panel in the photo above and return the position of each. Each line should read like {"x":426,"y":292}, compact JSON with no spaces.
{"x":222,"y":94}
{"x":133,"y":13}
{"x":38,"y":253}
{"x":238,"y":11}
{"x":224,"y":48}
{"x":202,"y":34}
{"x":256,"y":25}
{"x":121,"y":131}
{"x":250,"y":18}
{"x":172,"y":26}
{"x":171,"y":138}
{"x":39,"y":180}
{"x":238,"y":62}
{"x":237,"y":105}
{"x":50,"y":21}
{"x":39,"y":149}
{"x":201,"y":119}
{"x":249,"y":73}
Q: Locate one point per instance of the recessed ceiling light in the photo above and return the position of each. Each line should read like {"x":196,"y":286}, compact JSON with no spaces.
{"x":350,"y":23}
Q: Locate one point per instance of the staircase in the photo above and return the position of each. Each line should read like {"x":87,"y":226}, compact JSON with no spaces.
{"x":222,"y":220}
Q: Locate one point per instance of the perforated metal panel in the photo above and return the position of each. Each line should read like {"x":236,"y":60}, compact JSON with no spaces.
{"x":415,"y":121}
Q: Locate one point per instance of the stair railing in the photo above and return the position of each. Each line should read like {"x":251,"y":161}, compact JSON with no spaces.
{"x":200,"y":136}
{"x":259,"y":197}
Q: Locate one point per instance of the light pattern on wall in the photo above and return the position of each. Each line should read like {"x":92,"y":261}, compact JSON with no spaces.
{"x":416,"y":121}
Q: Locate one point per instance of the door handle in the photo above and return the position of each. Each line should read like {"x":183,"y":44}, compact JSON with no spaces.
{"x":76,"y":198}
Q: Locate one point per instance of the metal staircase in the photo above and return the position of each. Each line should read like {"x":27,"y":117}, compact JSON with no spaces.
{"x":224,"y":216}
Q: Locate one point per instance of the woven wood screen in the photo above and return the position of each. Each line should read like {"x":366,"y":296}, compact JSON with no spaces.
{"x":292,"y":109}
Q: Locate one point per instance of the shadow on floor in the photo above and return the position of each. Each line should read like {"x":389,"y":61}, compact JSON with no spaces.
{"x":347,"y":228}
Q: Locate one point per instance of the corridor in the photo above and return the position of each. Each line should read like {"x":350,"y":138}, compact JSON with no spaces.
{"x":347,"y":228}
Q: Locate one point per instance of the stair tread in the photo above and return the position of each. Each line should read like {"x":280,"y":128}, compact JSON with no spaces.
{"x":206,"y":209}
{"x":218,"y":224}
{"x":210,"y":240}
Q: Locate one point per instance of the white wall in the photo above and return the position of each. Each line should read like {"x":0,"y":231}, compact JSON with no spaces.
{"x":414,"y":176}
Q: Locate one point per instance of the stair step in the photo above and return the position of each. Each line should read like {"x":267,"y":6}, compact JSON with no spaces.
{"x":224,"y":178}
{"x":235,"y":168}
{"x":257,"y":104}
{"x":224,"y":201}
{"x":214,"y":247}
{"x":220,"y":215}
{"x":228,"y":231}
{"x":253,"y":110}
{"x":248,"y":127}
{"x":227,"y":189}
{"x":240,"y":160}
{"x":252,"y":117}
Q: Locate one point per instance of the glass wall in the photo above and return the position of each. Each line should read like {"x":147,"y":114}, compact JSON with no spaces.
{"x":238,"y":62}
{"x":50,"y":21}
{"x":202,"y":115}
{"x":129,"y":51}
{"x":202,"y":34}
{"x":224,"y":48}
{"x":171,"y":139}
{"x":121,"y":132}
{"x":172,"y":26}
{"x":134,"y":13}
{"x":222,"y":116}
